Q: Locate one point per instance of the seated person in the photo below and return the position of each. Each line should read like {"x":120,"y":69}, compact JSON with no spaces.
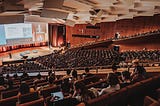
{"x":118,"y":74}
{"x":51,"y":84}
{"x":139,"y":72}
{"x":15,"y":76}
{"x":66,"y":86}
{"x":126,"y":79}
{"x":25,"y":76}
{"x":39,"y":78}
{"x":113,"y":84}
{"x":74,"y":75}
{"x":68,"y":72}
{"x":81,"y":93}
{"x":114,"y":69}
{"x":87,"y":73}
{"x":10,"y":84}
{"x":65,"y":102}
{"x":24,"y":88}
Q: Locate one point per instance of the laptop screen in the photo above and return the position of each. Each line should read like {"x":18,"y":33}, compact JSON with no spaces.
{"x":57,"y":96}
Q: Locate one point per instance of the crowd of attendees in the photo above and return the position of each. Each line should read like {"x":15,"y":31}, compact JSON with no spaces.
{"x":83,"y":58}
{"x":90,"y":58}
{"x":79,"y":58}
{"x":21,"y":67}
{"x":73,"y":85}
{"x":143,"y":56}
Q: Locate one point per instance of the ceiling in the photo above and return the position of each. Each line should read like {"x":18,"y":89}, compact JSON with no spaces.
{"x":71,"y":12}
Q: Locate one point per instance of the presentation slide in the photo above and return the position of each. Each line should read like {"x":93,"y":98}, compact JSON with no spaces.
{"x":21,"y":30}
{"x":2,"y":35}
{"x":40,"y":32}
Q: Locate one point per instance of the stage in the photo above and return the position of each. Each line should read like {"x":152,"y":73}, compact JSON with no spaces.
{"x":17,"y":55}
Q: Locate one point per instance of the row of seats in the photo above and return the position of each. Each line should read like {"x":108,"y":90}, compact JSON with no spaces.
{"x":88,"y":58}
{"x":143,"y":55}
{"x":10,"y":98}
{"x":13,"y":102}
{"x":22,"y":67}
{"x":79,"y":58}
{"x":85,"y":58}
{"x":132,"y":94}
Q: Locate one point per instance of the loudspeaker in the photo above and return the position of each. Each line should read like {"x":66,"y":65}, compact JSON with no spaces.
{"x":54,"y":14}
{"x":116,"y":48}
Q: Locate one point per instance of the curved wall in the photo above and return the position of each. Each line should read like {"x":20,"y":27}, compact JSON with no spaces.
{"x":107,"y":30}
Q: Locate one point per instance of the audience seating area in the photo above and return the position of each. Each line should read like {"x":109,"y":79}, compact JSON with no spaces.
{"x":88,"y":58}
{"x":80,"y":59}
{"x":143,"y":56}
{"x":21,"y":67}
{"x":132,"y":94}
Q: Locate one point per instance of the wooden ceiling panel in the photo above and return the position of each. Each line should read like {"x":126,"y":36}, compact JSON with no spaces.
{"x":105,"y":10}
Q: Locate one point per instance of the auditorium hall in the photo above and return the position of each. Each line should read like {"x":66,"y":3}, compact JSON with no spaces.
{"x":79,"y":52}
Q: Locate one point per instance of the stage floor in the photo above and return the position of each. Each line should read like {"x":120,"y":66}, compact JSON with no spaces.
{"x":30,"y":52}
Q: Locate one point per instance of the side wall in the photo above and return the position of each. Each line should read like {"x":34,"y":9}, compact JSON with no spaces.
{"x":107,"y":30}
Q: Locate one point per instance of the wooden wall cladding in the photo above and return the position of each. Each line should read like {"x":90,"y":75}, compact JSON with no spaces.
{"x":148,"y":42}
{"x":125,"y":27}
